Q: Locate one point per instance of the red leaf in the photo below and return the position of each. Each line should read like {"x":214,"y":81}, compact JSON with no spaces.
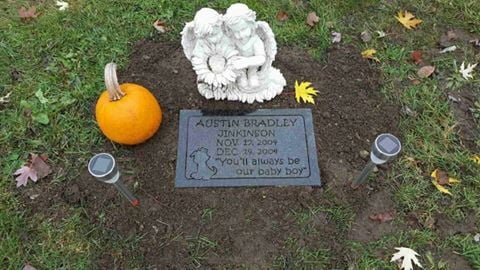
{"x":26,"y":14}
{"x":312,"y":18}
{"x":37,"y":169}
{"x":417,"y":57}
{"x":381,"y":217}
{"x":282,"y":16}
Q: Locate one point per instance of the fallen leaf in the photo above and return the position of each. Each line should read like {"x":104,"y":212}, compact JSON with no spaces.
{"x":475,"y":42}
{"x":282,"y":16}
{"x":37,"y":169}
{"x":41,"y":97}
{"x":62,"y":5}
{"x":366,"y":36}
{"x":312,"y":18}
{"x":305,"y":91}
{"x":406,"y":110}
{"x":416,"y":81}
{"x":467,"y":72}
{"x":449,"y":49}
{"x":6,"y":98}
{"x":381,"y":217}
{"x":41,"y":118}
{"x":24,"y":173}
{"x":441,"y":178}
{"x":160,"y":25}
{"x":27,"y":14}
{"x":407,"y":256}
{"x":40,"y":165}
{"x":336,"y":37}
{"x":425,"y":71}
{"x":476,"y":159}
{"x":476,"y":238}
{"x":407,"y":19}
{"x":441,"y":188}
{"x":417,"y":56}
{"x":368,"y":54}
{"x":28,"y":267}
{"x":381,"y":34}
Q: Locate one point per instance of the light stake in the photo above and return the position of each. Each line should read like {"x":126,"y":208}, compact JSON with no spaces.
{"x":104,"y":168}
{"x":385,"y":147}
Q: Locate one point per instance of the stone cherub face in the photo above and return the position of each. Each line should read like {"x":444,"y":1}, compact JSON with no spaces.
{"x":240,"y":22}
{"x":208,"y":25}
{"x":242,"y":31}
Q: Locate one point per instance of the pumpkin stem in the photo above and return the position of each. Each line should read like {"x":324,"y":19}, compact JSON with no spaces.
{"x":111,"y":82}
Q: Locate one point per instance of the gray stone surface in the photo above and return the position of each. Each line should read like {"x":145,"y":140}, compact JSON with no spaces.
{"x":271,"y":147}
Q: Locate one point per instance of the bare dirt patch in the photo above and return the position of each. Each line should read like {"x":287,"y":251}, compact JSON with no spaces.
{"x":463,"y":105}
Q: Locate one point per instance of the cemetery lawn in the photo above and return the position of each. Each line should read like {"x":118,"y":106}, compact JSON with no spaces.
{"x":53,"y":66}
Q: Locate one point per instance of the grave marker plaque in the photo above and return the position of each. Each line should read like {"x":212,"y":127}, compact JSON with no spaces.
{"x":271,"y":147}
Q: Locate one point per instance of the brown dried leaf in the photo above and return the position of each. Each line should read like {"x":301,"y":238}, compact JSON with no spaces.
{"x":40,"y":165}
{"x":441,"y":177}
{"x":312,"y":18}
{"x":425,"y":71}
{"x":282,"y":16}
{"x":160,"y":25}
{"x":475,"y":42}
{"x":381,"y":217}
{"x":26,"y":14}
{"x":417,"y":56}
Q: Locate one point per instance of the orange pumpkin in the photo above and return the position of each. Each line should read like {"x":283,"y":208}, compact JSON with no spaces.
{"x":127,"y":113}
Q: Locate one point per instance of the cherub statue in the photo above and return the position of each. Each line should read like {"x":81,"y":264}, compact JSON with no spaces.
{"x":232,"y":55}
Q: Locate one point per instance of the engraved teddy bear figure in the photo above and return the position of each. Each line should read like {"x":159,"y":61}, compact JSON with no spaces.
{"x":203,"y":171}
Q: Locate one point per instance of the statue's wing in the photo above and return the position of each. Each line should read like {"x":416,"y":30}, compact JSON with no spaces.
{"x":266,"y":35}
{"x":188,"y":40}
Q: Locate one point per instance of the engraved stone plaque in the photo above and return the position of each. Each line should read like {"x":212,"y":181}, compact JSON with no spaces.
{"x":268,"y":147}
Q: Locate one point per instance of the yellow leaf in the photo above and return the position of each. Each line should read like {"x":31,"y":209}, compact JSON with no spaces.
{"x":453,"y":181}
{"x":441,"y":188}
{"x":476,"y":159}
{"x":407,"y":19}
{"x":305,"y":91}
{"x":368,"y":54}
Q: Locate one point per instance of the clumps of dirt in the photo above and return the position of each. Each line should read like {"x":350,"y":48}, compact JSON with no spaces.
{"x":447,"y":227}
{"x":239,"y":227}
{"x":364,"y":229}
{"x":463,"y":106}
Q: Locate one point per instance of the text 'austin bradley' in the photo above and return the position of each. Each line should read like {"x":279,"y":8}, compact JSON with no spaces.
{"x":249,"y":122}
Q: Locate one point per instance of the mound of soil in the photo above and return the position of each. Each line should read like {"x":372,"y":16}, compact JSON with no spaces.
{"x":249,"y":227}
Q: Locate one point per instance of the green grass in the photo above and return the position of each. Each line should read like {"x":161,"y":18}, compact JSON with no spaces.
{"x":60,"y":56}
{"x":301,"y":257}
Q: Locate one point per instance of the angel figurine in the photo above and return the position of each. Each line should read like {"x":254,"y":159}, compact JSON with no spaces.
{"x":237,"y":65}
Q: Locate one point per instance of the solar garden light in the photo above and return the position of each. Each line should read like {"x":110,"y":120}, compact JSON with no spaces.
{"x":385,"y":148}
{"x":104,"y":168}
